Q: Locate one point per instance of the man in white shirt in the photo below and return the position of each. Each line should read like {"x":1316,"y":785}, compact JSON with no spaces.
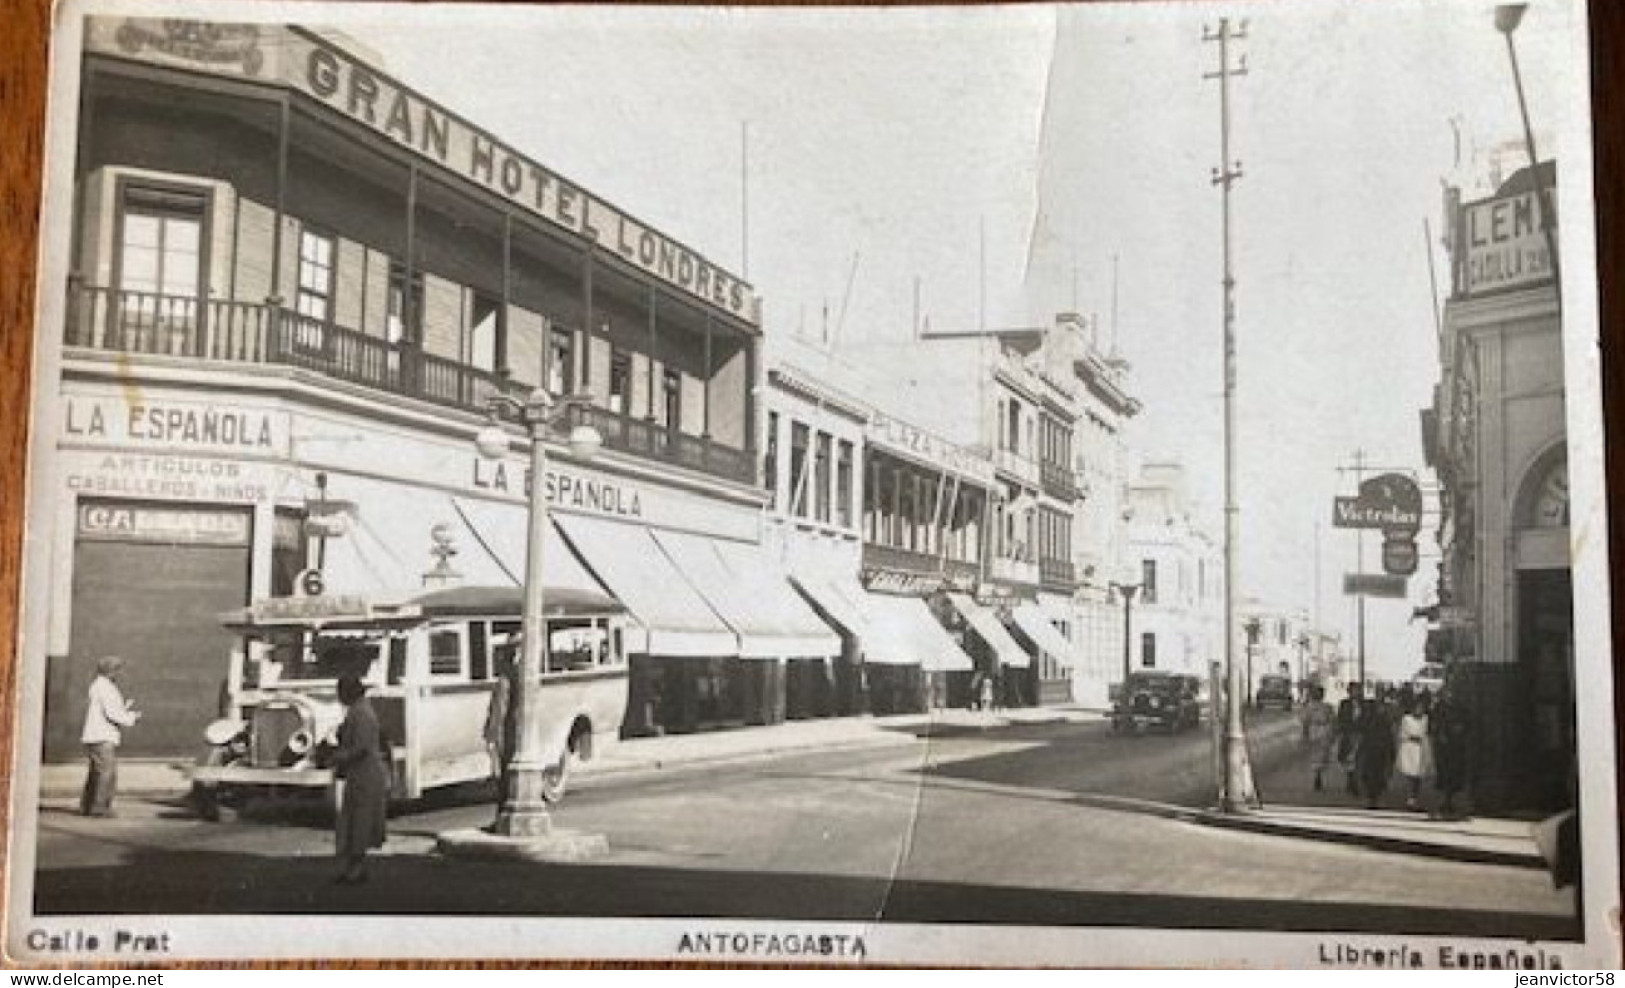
{"x":106,"y":717}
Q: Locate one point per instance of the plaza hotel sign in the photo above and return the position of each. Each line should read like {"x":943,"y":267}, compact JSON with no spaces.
{"x":304,"y":62}
{"x":898,"y":436}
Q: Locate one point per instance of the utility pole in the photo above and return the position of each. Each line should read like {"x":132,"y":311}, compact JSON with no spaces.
{"x":1236,"y":785}
{"x":1358,"y":469}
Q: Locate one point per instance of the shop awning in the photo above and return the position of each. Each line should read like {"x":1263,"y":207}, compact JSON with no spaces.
{"x":836,"y":600}
{"x":753,"y":595}
{"x":902,"y":631}
{"x":677,"y":619}
{"x":1034,"y":622}
{"x":986,"y":624}
{"x":492,"y":540}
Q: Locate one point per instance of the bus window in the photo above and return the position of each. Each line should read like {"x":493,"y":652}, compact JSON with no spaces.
{"x":617,"y":654}
{"x":397,"y":660}
{"x":573,"y":644}
{"x":479,"y":651}
{"x":445,"y":652}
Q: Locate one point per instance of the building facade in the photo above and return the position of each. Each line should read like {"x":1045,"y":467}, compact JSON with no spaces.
{"x":1178,"y":567}
{"x":1496,"y":438}
{"x":1047,"y":407}
{"x":297,"y":283}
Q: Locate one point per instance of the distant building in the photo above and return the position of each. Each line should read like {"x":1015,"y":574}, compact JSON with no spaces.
{"x":1047,"y":407}
{"x":1178,"y":610}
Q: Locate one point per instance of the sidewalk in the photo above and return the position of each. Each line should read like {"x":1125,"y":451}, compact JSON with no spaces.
{"x":1294,"y":808}
{"x":169,"y":778}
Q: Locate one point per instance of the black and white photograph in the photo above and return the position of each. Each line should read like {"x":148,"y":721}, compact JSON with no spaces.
{"x":1110,"y":484}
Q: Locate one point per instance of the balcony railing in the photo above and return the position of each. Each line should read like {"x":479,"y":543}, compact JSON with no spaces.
{"x":1059,"y":481}
{"x":244,"y":332}
{"x":908,"y":560}
{"x":1016,"y":465}
{"x":1057,"y":574}
{"x":1007,"y":570}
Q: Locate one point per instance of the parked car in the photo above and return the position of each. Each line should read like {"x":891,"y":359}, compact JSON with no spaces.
{"x":1158,"y":699}
{"x":1274,"y":691}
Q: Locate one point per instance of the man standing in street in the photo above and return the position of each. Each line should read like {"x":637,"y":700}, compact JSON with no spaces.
{"x":106,"y":717}
{"x":1348,"y":735}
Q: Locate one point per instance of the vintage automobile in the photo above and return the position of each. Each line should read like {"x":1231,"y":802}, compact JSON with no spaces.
{"x":1158,"y":699}
{"x":1273,"y":691}
{"x":431,"y":662}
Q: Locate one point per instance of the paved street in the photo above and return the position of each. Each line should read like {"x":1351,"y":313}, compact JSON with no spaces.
{"x":1051,"y":824}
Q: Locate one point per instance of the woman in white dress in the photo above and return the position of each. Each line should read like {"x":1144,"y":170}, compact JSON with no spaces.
{"x":1414,"y":760}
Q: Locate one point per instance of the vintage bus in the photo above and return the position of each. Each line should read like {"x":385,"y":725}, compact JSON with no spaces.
{"x":431,"y":663}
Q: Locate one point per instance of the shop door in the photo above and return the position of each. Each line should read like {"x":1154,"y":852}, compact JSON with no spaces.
{"x":1546,"y":653}
{"x":158,"y":605}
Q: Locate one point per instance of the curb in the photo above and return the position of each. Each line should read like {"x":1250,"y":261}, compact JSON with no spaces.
{"x":1397,"y":845}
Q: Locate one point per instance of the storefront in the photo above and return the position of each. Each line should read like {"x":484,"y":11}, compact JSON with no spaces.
{"x":179,"y":503}
{"x":1497,"y":439}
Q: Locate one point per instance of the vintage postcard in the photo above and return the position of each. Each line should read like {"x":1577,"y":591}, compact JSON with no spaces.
{"x":1105,"y":484}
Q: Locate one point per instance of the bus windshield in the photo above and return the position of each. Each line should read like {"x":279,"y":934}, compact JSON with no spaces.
{"x":303,"y":655}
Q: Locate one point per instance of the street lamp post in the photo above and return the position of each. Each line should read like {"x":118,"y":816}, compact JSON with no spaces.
{"x":1127,"y":592}
{"x":1507,"y":18}
{"x":1255,"y":629}
{"x":524,"y":810}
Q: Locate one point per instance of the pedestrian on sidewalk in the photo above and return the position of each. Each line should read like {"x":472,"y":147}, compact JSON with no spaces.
{"x":107,"y":714}
{"x":1415,"y":758}
{"x":500,"y":731}
{"x":1449,"y":727}
{"x":1317,"y":719}
{"x":1347,"y":729}
{"x":1374,"y":755}
{"x":361,"y":767}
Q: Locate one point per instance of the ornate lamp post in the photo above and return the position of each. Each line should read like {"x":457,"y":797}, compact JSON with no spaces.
{"x":524,"y":812}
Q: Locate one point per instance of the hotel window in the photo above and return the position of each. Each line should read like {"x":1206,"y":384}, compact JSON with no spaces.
{"x":770,"y":458}
{"x":487,"y":337}
{"x":1148,"y":581}
{"x":160,"y":259}
{"x":821,"y":476}
{"x":1013,"y":427}
{"x":314,"y":298}
{"x":620,"y":382}
{"x":671,"y":383}
{"x":1148,"y":650}
{"x":843,"y":485}
{"x":799,"y":500}
{"x":403,"y":319}
{"x":560,"y":360}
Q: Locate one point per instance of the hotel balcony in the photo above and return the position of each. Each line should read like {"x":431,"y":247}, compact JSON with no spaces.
{"x":892,"y":558}
{"x":1059,"y":481}
{"x":1058,"y":575}
{"x":261,"y":333}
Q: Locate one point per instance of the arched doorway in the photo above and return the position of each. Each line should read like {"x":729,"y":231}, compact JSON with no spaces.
{"x":1544,"y":615}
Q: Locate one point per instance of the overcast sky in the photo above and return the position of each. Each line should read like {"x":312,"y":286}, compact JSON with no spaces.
{"x":1004,"y":156}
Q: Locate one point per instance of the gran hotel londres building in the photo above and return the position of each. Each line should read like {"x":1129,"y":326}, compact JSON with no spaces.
{"x":296,"y":283}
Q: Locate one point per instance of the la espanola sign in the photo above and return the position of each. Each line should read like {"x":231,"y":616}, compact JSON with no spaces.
{"x":1390,"y":501}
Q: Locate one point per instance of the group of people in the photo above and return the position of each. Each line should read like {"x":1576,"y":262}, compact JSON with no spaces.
{"x":360,"y":763}
{"x":1410,"y":732}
